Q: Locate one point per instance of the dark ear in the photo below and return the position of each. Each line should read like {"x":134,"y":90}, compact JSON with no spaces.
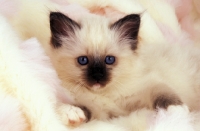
{"x":128,"y":28}
{"x":61,"y":26}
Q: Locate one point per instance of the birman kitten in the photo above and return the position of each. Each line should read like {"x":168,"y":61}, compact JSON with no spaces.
{"x":111,"y":73}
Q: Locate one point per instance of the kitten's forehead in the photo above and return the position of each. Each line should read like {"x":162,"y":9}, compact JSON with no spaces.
{"x":96,"y":35}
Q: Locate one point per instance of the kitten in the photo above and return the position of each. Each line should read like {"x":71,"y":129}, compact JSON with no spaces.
{"x":111,"y":74}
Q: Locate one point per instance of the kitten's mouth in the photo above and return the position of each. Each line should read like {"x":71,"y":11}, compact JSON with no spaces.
{"x":97,"y":86}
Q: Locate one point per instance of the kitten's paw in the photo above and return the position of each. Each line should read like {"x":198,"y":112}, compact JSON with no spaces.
{"x":87,"y":113}
{"x":72,"y":115}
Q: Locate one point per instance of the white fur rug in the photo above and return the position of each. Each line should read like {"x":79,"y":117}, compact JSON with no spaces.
{"x":12,"y":118}
{"x":176,"y":118}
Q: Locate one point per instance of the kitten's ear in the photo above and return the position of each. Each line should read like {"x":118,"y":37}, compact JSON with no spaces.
{"x":128,"y":28}
{"x":61,"y":26}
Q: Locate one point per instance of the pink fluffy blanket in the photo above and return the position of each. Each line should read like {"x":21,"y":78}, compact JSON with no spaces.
{"x":180,"y":27}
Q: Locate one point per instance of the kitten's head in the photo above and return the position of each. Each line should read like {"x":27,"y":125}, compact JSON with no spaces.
{"x":93,"y":53}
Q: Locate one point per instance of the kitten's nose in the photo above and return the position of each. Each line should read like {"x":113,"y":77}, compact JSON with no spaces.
{"x":97,"y":73}
{"x":98,"y":77}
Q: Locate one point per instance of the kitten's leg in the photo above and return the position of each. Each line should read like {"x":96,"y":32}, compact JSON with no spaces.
{"x":152,"y":97}
{"x":162,"y":96}
{"x":71,"y":115}
{"x":165,"y":100}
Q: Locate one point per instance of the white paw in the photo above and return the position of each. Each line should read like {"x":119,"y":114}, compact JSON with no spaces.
{"x":71,"y":115}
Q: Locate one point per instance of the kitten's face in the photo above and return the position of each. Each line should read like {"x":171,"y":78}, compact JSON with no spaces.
{"x":94,"y":54}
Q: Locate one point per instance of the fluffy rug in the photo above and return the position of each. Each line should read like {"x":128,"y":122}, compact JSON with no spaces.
{"x":156,"y":27}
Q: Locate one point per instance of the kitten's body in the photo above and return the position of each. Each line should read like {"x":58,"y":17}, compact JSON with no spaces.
{"x":143,"y":75}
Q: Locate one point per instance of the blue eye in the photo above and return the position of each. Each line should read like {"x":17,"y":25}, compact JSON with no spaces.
{"x":109,"y":60}
{"x":83,"y":60}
